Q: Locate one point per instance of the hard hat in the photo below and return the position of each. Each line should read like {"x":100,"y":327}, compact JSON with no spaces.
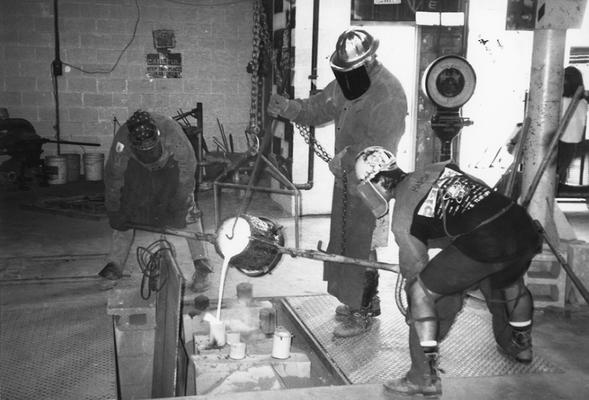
{"x":143,"y":132}
{"x":372,"y":160}
{"x":353,"y":48}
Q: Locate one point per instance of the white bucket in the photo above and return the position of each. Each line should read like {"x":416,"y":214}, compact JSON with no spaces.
{"x":93,"y":166}
{"x":73,"y":166}
{"x":57,"y":170}
{"x":281,"y":343}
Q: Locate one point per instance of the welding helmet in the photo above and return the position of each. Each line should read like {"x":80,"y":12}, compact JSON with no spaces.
{"x":369,"y":162}
{"x":354,"y":51}
{"x":144,"y":136}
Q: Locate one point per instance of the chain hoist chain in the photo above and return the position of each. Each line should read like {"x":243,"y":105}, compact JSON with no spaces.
{"x":261,"y":42}
{"x":317,"y":148}
{"x":322,"y":153}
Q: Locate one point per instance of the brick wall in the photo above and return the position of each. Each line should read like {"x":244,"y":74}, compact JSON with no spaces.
{"x":215,"y":43}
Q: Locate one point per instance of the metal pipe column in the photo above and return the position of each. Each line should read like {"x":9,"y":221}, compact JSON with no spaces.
{"x":546,"y":80}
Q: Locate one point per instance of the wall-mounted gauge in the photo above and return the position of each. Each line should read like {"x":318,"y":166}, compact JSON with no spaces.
{"x":449,"y":81}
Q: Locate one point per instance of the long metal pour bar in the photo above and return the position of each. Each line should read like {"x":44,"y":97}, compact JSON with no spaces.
{"x":208,"y":237}
{"x":308,"y":253}
{"x":336,"y":258}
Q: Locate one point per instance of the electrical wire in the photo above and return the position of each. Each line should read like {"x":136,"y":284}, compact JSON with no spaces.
{"x":150,"y":260}
{"x":108,"y":71}
{"x":399,"y":289}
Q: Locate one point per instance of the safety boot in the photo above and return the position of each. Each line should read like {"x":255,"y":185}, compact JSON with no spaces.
{"x":200,"y":279}
{"x":430,"y":385}
{"x":355,"y":324}
{"x":343,"y":312}
{"x":520,"y":347}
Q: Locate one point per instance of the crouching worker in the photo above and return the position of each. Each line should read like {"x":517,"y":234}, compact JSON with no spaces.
{"x":150,"y":180}
{"x":491,"y":241}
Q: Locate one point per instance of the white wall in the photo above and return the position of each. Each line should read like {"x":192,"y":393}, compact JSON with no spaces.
{"x":502,"y":61}
{"x":396,"y":51}
{"x":500,"y":58}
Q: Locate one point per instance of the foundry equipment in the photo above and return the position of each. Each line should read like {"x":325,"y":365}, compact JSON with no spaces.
{"x":259,"y":245}
{"x":449,"y":82}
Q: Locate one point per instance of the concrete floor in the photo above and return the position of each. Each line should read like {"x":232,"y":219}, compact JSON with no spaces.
{"x":563,"y":339}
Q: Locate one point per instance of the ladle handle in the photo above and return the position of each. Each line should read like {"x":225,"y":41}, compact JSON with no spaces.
{"x":335,"y":258}
{"x":208,"y":237}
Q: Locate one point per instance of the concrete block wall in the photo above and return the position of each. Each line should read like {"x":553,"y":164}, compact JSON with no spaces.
{"x":215,"y":43}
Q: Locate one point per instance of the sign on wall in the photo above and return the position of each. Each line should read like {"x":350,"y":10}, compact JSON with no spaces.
{"x":160,"y":65}
{"x":164,"y":64}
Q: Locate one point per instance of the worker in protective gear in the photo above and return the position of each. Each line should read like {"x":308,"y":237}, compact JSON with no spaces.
{"x":490,"y":243}
{"x":368,"y":106}
{"x":150,"y":180}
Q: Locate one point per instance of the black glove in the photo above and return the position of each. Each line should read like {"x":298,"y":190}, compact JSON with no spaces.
{"x":118,"y":221}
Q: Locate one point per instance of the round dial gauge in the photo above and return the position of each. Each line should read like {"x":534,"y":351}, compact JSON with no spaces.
{"x":449,"y":81}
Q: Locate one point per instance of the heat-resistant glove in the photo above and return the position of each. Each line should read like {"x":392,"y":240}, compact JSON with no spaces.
{"x":335,"y":165}
{"x":283,"y":107}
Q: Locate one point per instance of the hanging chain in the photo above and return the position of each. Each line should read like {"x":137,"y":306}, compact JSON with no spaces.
{"x":317,"y":148}
{"x":322,"y":154}
{"x":261,"y":43}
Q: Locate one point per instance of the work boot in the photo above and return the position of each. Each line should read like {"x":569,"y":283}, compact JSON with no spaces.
{"x":355,"y":324}
{"x":520,"y":348}
{"x":200,"y":279}
{"x":342,"y":312}
{"x":375,"y":306}
{"x":430,"y":386}
{"x":111,"y":272}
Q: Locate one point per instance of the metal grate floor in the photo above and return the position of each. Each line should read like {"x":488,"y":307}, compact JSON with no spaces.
{"x":57,"y":350}
{"x":381,"y":353}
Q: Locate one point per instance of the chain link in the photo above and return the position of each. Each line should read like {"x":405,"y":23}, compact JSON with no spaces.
{"x":322,"y":153}
{"x":317,"y":148}
{"x":261,"y":42}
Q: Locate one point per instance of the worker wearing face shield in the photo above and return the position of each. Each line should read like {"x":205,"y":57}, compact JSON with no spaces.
{"x":368,"y":106}
{"x":150,"y":180}
{"x":490,"y":243}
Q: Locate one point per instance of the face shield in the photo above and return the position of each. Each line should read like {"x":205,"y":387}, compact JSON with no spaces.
{"x":369,"y":163}
{"x":373,"y":199}
{"x":354,"y":83}
{"x":354,"y":51}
